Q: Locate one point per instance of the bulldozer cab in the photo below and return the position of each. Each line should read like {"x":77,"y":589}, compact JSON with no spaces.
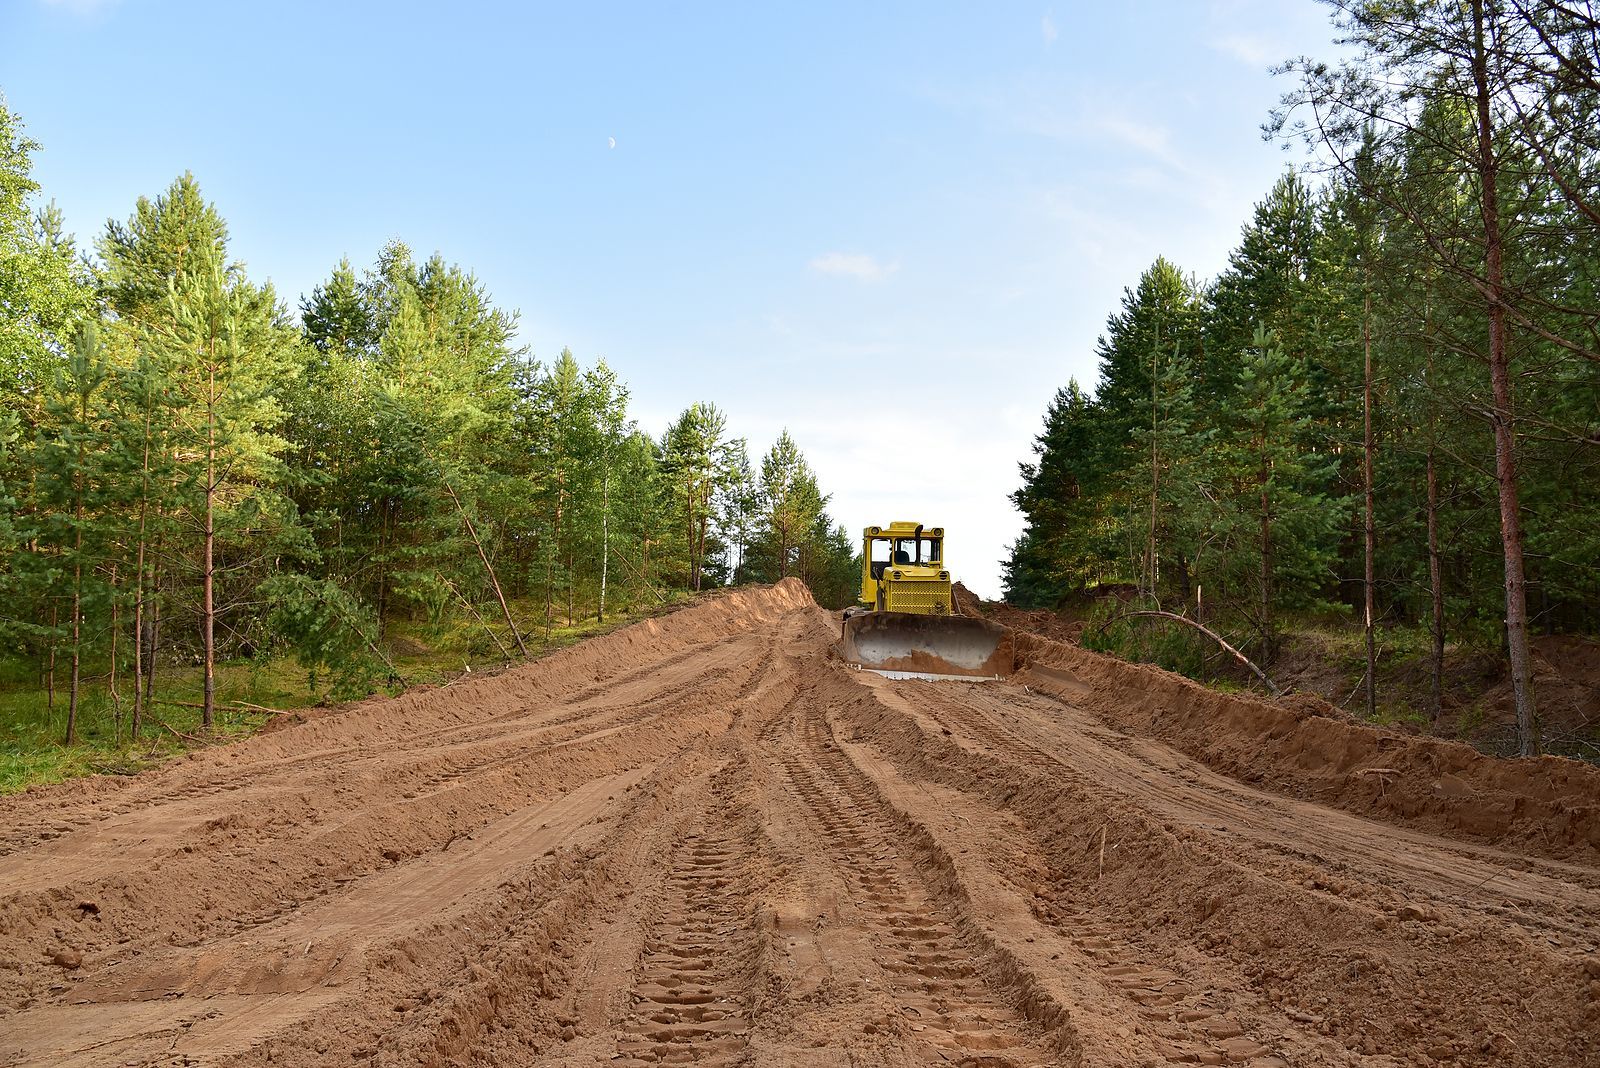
{"x":904,"y":562}
{"x":883,"y":550}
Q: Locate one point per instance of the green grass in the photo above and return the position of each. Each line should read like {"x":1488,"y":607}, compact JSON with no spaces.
{"x":31,"y":732}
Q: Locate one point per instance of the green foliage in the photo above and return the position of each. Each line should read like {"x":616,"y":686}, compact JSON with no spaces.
{"x":1278,"y":518}
{"x":790,"y":506}
{"x":699,"y":464}
{"x":330,"y":633}
{"x":1217,"y":466}
{"x":1148,"y":640}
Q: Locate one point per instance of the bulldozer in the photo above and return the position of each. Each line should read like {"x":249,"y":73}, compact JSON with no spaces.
{"x":908,"y":625}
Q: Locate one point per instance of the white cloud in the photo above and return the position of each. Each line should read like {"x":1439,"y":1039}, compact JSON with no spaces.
{"x":1150,"y":138}
{"x":854,"y":265}
{"x":1250,"y":49}
{"x":1047,"y":28}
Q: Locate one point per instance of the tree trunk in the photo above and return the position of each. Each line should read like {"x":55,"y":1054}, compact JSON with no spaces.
{"x":550,"y":571}
{"x":151,"y":659}
{"x":1528,"y":743}
{"x":1152,"y":569}
{"x":77,"y":591}
{"x":605,"y":539}
{"x":1436,"y":589}
{"x":384,"y":523}
{"x":138,"y":602}
{"x":1267,"y":636}
{"x":50,"y":673}
{"x":208,"y":581}
{"x":494,"y":581}
{"x":111,"y":679}
{"x":1370,"y":540}
{"x":484,"y":623}
{"x":694,"y":571}
{"x":1435,"y":568}
{"x":140,"y":697}
{"x":77,"y":634}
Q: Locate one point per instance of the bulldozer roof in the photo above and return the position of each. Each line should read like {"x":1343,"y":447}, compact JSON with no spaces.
{"x":903,"y":529}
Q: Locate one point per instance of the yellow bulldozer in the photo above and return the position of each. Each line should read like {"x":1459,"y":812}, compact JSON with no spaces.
{"x":908,"y":625}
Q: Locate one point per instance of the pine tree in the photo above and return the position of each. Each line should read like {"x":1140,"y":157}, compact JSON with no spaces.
{"x":1279,"y":538}
{"x":697,"y":462}
{"x":44,"y":291}
{"x":1063,"y":500}
{"x":73,"y":491}
{"x":738,"y":514}
{"x":608,"y":402}
{"x":143,"y":418}
{"x":1264,"y":283}
{"x":336,"y":317}
{"x":790,"y":507}
{"x":229,"y":352}
{"x":1505,"y":71}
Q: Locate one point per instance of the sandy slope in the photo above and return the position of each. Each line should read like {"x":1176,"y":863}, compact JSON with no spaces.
{"x":704,"y":840}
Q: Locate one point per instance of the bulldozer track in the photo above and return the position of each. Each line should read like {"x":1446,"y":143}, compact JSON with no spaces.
{"x":688,"y":1006}
{"x":938,"y":981}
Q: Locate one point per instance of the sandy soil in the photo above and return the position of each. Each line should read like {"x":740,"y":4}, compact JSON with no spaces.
{"x":705,"y":840}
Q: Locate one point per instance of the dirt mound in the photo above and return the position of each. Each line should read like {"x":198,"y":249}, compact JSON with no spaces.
{"x":1044,"y":623}
{"x":1549,"y":806}
{"x":1240,"y":928}
{"x":967,"y":602}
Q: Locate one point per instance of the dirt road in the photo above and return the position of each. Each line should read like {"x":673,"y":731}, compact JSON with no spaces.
{"x":704,"y":840}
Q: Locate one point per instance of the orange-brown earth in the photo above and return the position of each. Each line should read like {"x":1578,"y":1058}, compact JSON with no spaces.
{"x":703,"y":839}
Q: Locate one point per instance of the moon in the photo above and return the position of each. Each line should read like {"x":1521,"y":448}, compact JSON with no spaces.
{"x":613,"y":141}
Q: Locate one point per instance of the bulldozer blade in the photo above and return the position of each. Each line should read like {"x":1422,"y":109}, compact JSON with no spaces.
{"x":902,"y":645}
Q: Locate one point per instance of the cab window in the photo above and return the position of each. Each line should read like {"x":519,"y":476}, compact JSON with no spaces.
{"x":916,"y":550}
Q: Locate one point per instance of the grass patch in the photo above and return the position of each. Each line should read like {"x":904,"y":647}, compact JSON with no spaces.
{"x":32,"y":732}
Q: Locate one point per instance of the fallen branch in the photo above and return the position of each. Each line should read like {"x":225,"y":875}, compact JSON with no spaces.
{"x":195,"y":738}
{"x":469,"y":606}
{"x":220,"y":704}
{"x":1207,"y":631}
{"x":111,"y":769}
{"x":618,"y":554}
{"x":494,"y":580}
{"x":265,"y":709}
{"x":175,"y":704}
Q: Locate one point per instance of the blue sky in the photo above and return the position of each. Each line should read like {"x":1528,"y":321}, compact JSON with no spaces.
{"x":895,"y":229}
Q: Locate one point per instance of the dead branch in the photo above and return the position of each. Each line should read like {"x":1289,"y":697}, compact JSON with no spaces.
{"x":470,"y":607}
{"x":494,"y":580}
{"x":1207,"y":631}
